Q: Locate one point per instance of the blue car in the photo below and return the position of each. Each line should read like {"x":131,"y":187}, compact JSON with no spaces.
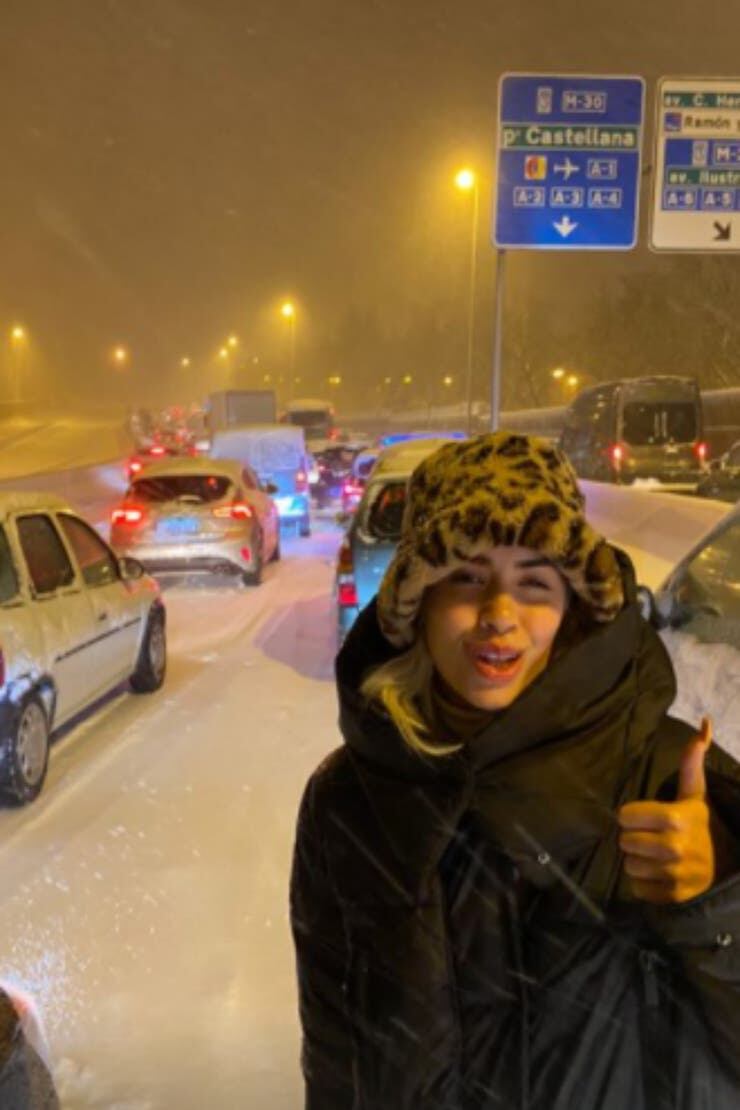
{"x":277,"y":453}
{"x":375,"y":528}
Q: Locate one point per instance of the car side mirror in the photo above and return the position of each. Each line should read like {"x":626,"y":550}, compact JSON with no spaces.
{"x":270,"y":488}
{"x":649,"y":608}
{"x":131,"y":569}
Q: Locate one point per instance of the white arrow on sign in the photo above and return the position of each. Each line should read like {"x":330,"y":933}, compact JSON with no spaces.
{"x":565,"y":226}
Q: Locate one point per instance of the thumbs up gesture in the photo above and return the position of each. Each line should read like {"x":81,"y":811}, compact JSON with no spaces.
{"x":668,"y":851}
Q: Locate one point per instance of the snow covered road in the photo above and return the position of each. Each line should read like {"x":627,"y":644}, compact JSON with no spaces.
{"x":145,"y":893}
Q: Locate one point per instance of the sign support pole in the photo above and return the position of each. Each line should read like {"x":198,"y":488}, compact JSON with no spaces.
{"x":498,"y":338}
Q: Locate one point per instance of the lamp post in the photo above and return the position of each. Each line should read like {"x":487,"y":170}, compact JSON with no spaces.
{"x":467,"y":180}
{"x":18,"y":341}
{"x":288,"y":313}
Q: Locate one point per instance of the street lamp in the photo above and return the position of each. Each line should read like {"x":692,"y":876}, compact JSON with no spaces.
{"x":120,"y":356}
{"x":223,"y":353}
{"x":185,"y":362}
{"x":573,"y":381}
{"x":558,"y":373}
{"x":232,"y":342}
{"x":467,"y":181}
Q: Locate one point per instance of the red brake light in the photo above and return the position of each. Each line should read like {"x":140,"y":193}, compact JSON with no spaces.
{"x":347,"y":593}
{"x":135,"y":466}
{"x":126,"y":516}
{"x":617,"y":453}
{"x":157,"y":449}
{"x":238,"y":510}
{"x":702,"y":451}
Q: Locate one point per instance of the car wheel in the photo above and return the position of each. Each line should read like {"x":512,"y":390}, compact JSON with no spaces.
{"x":28,"y":755}
{"x":151,"y":666}
{"x":304,"y":528}
{"x":254,"y":577}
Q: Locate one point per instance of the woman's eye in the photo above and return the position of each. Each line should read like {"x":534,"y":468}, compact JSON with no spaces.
{"x":467,"y":578}
{"x":535,"y":583}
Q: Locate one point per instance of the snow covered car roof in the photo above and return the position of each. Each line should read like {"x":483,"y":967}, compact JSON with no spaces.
{"x":225,"y":468}
{"x":402,"y":458}
{"x":15,"y":501}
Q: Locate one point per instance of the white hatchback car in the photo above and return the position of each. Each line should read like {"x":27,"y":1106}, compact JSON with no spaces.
{"x":75,"y":621}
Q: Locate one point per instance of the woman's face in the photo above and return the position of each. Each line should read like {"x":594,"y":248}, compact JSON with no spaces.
{"x":490,"y":625}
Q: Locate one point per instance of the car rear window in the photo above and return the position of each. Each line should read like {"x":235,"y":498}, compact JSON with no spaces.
{"x":655,"y":423}
{"x":8,"y":576}
{"x":384,"y":511}
{"x":181,"y":487}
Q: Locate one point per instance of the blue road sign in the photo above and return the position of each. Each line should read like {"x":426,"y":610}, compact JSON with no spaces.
{"x":568,"y":162}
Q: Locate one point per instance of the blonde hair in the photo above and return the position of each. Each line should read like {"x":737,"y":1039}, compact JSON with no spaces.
{"x":403,"y":687}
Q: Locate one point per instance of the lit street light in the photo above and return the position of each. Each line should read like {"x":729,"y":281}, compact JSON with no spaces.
{"x":467,"y":180}
{"x":185,"y":362}
{"x":447,"y":380}
{"x":120,"y":356}
{"x":573,"y":381}
{"x":223,"y":353}
{"x":558,"y":373}
{"x":232,"y":342}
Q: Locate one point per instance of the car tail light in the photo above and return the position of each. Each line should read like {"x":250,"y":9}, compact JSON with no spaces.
{"x":158,"y":450}
{"x":702,"y":451}
{"x":127,"y":516}
{"x":301,"y":481}
{"x":346,"y":587}
{"x":238,"y":510}
{"x":617,"y":453}
{"x":135,"y":466}
{"x":347,"y":593}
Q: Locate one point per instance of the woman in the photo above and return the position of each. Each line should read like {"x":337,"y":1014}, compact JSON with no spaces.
{"x":515,"y":886}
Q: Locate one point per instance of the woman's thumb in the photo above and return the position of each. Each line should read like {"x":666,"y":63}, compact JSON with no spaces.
{"x":692,"y":782}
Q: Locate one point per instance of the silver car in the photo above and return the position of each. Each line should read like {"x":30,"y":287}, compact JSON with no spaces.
{"x":188,"y":515}
{"x":75,"y":622}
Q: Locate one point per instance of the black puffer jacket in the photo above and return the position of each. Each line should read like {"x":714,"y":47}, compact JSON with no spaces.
{"x":465,"y":937}
{"x":25,"y":1082}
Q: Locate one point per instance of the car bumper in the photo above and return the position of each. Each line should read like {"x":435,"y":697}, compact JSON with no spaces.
{"x":235,"y":556}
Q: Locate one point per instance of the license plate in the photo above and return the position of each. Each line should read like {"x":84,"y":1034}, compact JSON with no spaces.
{"x":178,"y":526}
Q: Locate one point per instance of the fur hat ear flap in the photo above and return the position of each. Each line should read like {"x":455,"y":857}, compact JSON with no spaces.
{"x":499,"y":489}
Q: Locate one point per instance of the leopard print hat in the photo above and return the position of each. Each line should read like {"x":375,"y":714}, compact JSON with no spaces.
{"x":499,"y":489}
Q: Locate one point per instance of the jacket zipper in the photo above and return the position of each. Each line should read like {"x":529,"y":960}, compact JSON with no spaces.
{"x":648,"y":960}
{"x":452,"y":974}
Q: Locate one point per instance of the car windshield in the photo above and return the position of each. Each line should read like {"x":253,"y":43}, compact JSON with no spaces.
{"x":653,"y":423}
{"x":195,"y":488}
{"x":384,"y":510}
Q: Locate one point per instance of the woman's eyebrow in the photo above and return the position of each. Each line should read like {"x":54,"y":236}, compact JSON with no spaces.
{"x":534,"y":563}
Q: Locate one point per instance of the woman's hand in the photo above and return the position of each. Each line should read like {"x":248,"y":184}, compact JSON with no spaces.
{"x":669,"y":853}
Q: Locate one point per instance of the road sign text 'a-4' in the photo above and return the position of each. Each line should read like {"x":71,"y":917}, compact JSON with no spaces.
{"x":568,"y":162}
{"x":696,"y":199}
